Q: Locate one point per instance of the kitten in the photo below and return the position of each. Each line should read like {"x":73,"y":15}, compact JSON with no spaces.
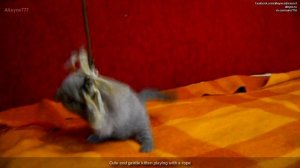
{"x":125,"y":115}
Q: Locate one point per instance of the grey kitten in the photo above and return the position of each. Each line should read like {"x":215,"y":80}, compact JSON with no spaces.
{"x":125,"y":117}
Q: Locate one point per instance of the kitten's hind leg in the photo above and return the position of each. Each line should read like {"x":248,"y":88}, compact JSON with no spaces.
{"x":144,"y":137}
{"x":93,"y":138}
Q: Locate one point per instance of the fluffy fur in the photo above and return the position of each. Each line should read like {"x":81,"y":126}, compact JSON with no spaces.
{"x":125,"y":116}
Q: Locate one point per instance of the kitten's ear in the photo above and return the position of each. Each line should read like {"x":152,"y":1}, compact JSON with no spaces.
{"x":72,"y":63}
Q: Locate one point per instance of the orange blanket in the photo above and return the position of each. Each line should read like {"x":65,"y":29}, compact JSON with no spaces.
{"x":210,"y":124}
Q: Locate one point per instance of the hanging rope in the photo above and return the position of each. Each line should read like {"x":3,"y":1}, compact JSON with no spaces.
{"x":87,"y":34}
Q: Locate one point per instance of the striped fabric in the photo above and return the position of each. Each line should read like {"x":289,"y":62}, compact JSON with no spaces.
{"x":236,"y":121}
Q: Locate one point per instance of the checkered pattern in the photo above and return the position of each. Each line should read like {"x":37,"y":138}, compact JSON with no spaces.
{"x":259,"y":128}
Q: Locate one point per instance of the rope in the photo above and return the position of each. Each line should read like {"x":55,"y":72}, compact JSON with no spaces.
{"x":87,"y":33}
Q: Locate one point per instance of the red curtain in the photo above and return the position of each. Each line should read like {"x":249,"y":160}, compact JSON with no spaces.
{"x":145,"y":43}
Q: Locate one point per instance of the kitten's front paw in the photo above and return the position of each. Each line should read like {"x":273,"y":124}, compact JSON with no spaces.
{"x":146,"y":148}
{"x":93,"y":139}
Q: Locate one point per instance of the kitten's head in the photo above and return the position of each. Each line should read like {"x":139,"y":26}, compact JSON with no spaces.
{"x":70,"y":93}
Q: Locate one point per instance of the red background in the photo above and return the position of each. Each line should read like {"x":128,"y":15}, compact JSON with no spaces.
{"x":145,"y":43}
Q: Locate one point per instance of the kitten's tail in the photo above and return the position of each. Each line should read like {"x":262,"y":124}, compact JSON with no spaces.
{"x":152,"y":94}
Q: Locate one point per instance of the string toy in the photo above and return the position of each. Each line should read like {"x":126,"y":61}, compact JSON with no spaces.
{"x":87,"y":33}
{"x":111,"y":107}
{"x":93,"y":81}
